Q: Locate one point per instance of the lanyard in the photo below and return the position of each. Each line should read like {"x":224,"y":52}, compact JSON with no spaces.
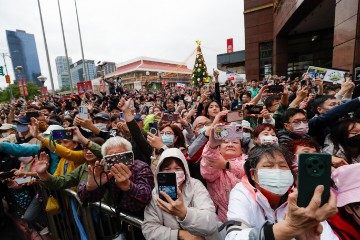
{"x":65,"y":167}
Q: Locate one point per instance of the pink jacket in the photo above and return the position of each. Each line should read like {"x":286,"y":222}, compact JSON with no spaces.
{"x":220,"y":181}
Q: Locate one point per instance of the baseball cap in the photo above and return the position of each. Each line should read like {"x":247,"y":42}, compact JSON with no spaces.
{"x":102,"y":115}
{"x":23,"y":120}
{"x":7,"y":126}
{"x":53,"y":127}
{"x":347,"y":184}
{"x":245,"y":124}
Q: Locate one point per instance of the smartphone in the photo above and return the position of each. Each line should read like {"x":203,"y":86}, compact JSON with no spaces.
{"x":132,"y":105}
{"x":32,"y":114}
{"x":254,"y":109}
{"x":153,"y":127}
{"x":23,"y":180}
{"x":228,"y":132}
{"x":314,"y":169}
{"x":6,"y":175}
{"x":167,"y":183}
{"x":148,"y":104}
{"x":84,"y":112}
{"x":170,"y":117}
{"x":61,"y":134}
{"x":127,"y":158}
{"x":121,"y":115}
{"x":233,"y":116}
{"x":276,"y":89}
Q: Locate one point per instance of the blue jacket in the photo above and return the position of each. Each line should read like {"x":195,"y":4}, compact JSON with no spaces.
{"x":319,"y":125}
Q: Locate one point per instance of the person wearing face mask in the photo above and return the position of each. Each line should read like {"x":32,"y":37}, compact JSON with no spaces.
{"x":102,"y":122}
{"x":265,"y":134}
{"x":169,"y":136}
{"x":344,"y":141}
{"x":7,"y":130}
{"x":295,"y":126}
{"x":346,"y":223}
{"x":262,"y":207}
{"x":23,"y":134}
{"x":247,"y":140}
{"x":191,"y":216}
{"x":329,"y":112}
{"x":222,"y":166}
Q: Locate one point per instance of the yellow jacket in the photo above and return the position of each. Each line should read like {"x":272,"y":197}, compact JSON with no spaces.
{"x":71,"y":158}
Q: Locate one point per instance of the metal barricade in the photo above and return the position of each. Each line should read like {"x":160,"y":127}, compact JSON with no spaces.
{"x":98,"y":220}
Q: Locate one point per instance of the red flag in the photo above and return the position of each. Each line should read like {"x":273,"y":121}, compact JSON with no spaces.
{"x":230,"y":46}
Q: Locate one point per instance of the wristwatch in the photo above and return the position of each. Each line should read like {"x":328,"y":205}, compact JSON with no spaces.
{"x":162,"y":149}
{"x":227,"y":165}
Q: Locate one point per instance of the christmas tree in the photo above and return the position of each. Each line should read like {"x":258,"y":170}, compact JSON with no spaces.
{"x":200,"y":75}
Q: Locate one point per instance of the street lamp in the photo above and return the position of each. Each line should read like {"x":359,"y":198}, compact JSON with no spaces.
{"x":7,"y":75}
{"x":42,"y":78}
{"x":19,"y":70}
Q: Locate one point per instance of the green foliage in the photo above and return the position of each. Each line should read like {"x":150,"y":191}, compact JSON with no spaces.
{"x":32,"y":89}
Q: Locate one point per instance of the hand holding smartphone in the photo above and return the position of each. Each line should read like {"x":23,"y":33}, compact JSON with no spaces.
{"x":314,"y":170}
{"x":61,"y":134}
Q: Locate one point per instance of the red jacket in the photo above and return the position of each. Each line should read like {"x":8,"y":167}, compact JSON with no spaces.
{"x":343,"y":229}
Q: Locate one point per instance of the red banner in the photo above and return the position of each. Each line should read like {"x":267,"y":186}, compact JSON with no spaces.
{"x":22,"y":87}
{"x":44,"y":91}
{"x":102,"y":86}
{"x":88,"y":87}
{"x":81,"y":88}
{"x":230,"y":45}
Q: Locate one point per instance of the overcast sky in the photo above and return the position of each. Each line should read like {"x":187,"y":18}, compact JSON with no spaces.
{"x":120,"y":30}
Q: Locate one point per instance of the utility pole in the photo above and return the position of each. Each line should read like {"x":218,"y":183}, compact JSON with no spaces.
{"x":7,"y":76}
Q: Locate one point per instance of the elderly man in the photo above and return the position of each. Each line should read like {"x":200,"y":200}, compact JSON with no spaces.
{"x":130,"y":185}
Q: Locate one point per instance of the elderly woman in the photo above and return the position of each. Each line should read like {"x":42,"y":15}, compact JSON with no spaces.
{"x":191,"y":216}
{"x":261,"y":204}
{"x":222,"y":166}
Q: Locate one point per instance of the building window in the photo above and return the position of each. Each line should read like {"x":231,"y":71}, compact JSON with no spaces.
{"x":265,"y":59}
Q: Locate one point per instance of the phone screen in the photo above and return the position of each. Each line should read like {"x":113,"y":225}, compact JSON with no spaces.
{"x":84,"y":112}
{"x":167,"y":183}
{"x":61,"y":134}
{"x":127,"y":158}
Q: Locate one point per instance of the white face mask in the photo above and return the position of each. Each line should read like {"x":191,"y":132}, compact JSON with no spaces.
{"x":180,"y":177}
{"x":276,"y":181}
{"x":268,"y":140}
{"x":246,"y":138}
{"x":203,"y":129}
{"x":101,"y":126}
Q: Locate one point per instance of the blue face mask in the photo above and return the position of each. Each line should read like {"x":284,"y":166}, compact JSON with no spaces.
{"x":167,"y":139}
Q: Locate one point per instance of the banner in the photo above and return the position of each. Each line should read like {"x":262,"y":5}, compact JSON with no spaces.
{"x":327,"y":74}
{"x":89,"y":87}
{"x":230,"y":46}
{"x":44,"y":91}
{"x":22,"y":87}
{"x":81,"y":88}
{"x":181,"y":85}
{"x":164,"y":83}
{"x":230,"y":75}
{"x":137,"y":85}
{"x":102,"y":86}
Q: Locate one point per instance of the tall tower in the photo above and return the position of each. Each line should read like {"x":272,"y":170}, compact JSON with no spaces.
{"x":22,"y":48}
{"x":62,"y":72}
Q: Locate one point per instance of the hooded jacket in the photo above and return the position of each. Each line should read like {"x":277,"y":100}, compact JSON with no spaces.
{"x":200,"y":219}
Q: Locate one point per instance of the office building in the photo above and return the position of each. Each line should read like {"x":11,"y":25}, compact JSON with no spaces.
{"x":77,"y":73}
{"x":62,"y":72}
{"x":22,"y":48}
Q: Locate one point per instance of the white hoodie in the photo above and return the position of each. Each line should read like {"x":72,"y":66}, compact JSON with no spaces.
{"x":200,"y":220}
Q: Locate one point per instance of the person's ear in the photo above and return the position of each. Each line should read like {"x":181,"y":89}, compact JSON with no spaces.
{"x":320,"y":110}
{"x":252,"y":174}
{"x":348,"y":210}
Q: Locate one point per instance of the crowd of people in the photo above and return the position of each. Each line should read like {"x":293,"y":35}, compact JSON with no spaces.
{"x":235,"y":150}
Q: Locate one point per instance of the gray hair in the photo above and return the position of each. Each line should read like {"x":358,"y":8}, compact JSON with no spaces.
{"x":115,"y":142}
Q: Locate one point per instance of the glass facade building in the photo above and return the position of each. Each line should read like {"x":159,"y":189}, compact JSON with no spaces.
{"x":77,"y":72}
{"x":62,"y":72}
{"x":22,"y":48}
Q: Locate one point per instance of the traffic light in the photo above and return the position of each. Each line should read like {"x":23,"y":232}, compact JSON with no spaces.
{"x":1,"y":71}
{"x":7,"y":77}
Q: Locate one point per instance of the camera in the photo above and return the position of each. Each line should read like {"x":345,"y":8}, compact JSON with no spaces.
{"x":228,"y":132}
{"x":254,"y":109}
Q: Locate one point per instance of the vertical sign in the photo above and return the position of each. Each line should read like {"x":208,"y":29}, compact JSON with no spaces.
{"x":88,"y":87}
{"x":22,"y":87}
{"x":81,"y":88}
{"x":230,"y":45}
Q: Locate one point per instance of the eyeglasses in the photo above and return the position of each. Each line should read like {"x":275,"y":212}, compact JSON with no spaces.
{"x":298,"y":122}
{"x":166,"y":133}
{"x":200,"y":125}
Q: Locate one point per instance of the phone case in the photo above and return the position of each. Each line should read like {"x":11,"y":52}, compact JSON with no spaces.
{"x":153,"y":127}
{"x":167,"y":183}
{"x":314,"y":170}
{"x":234,"y":116}
{"x":127,"y":158}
